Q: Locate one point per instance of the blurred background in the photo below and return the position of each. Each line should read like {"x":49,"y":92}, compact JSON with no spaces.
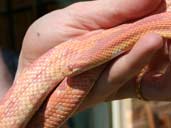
{"x":15,"y":18}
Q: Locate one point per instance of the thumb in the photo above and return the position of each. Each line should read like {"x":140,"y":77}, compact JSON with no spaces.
{"x":109,"y":13}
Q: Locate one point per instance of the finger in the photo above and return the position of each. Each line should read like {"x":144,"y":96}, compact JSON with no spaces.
{"x":109,"y":13}
{"x":155,"y":85}
{"x":156,"y":68}
{"x":124,"y":68}
{"x":130,"y":64}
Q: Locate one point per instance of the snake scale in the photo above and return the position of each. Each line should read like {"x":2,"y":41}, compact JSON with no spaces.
{"x":51,"y":89}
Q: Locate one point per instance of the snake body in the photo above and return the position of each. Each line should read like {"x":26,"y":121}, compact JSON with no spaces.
{"x":47,"y":92}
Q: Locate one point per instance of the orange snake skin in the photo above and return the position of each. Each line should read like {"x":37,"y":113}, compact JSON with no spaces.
{"x":50,"y":90}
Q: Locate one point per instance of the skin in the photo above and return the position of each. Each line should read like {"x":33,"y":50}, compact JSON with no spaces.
{"x":118,"y":79}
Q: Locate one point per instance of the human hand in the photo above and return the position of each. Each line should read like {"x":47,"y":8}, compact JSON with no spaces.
{"x":155,"y":83}
{"x":61,"y":25}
